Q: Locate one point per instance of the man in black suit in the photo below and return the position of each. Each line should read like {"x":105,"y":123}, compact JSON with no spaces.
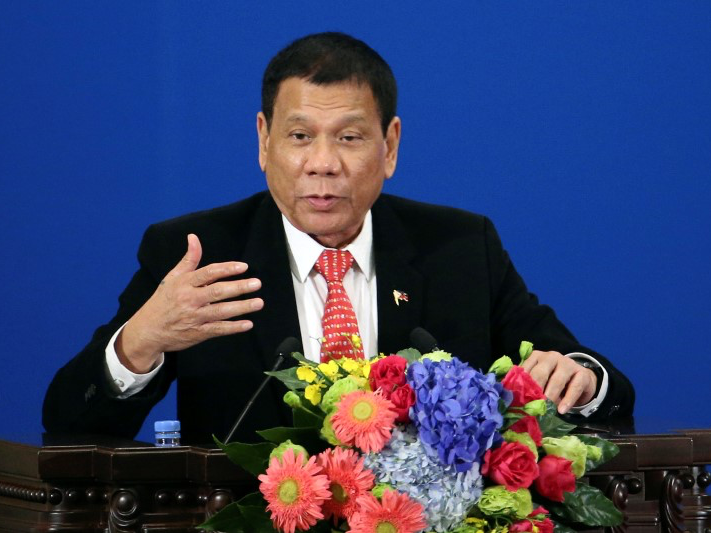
{"x":328,"y":138}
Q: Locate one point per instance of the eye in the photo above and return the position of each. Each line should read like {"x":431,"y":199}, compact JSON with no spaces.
{"x":299,"y":136}
{"x":351,"y":137}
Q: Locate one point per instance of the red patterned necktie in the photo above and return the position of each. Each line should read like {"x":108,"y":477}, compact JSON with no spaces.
{"x":339,"y":319}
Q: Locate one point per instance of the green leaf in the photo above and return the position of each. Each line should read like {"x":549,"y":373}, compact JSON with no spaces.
{"x":252,"y":499}
{"x":257,"y":518}
{"x":246,"y":515}
{"x":552,"y":425}
{"x":228,"y":520}
{"x":411,"y":354}
{"x":307,"y":418}
{"x":254,"y":458}
{"x":288,"y":377}
{"x":300,"y":358}
{"x":608,"y":449}
{"x":308,"y":437}
{"x":560,"y":528}
{"x":254,"y":511}
{"x":588,"y":506}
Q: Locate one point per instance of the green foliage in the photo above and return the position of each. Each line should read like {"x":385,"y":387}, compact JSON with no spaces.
{"x":511,"y":416}
{"x":560,"y":528}
{"x":608,"y":449}
{"x":254,"y":458}
{"x":288,"y":377}
{"x":587,"y":505}
{"x":411,"y":354}
{"x":308,"y":437}
{"x":299,"y":357}
{"x":551,"y":424}
{"x":244,"y":516}
{"x":308,"y":417}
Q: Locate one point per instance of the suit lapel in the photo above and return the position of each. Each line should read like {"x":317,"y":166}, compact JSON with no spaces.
{"x":268,"y":259}
{"x":394,"y":256}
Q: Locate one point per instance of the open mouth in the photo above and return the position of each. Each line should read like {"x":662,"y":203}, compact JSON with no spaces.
{"x":322,"y":203}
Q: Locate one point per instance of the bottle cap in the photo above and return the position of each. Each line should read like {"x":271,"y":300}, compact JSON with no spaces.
{"x":167,"y":425}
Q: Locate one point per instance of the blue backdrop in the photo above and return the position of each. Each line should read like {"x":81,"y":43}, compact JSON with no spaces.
{"x":583,"y":129}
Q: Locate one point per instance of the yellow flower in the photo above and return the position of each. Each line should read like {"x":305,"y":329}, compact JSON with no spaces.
{"x":350,"y":365}
{"x":306,"y":373}
{"x":313,"y":393}
{"x":355,"y":340}
{"x":366,"y":369}
{"x":330,"y":369}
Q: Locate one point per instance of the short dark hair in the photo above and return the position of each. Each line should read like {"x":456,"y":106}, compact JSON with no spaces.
{"x":331,"y":57}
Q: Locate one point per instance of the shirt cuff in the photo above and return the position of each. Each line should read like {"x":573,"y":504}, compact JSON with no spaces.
{"x":593,"y":405}
{"x":122,"y":382}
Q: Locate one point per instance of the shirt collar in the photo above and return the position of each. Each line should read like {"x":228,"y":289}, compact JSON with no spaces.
{"x":304,"y":250}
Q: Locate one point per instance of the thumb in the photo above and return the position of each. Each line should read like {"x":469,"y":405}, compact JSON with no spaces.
{"x":191,"y":259}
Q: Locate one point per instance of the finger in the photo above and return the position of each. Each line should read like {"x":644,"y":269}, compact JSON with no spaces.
{"x":557,"y":383}
{"x":580,"y":391}
{"x":529,"y":363}
{"x":542,"y":372}
{"x":225,"y":310}
{"x":211,"y":273}
{"x":532,"y":360}
{"x":191,"y":259}
{"x":220,"y":329}
{"x":223,"y":290}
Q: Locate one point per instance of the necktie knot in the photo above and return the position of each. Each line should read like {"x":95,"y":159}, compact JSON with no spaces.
{"x":333,"y":264}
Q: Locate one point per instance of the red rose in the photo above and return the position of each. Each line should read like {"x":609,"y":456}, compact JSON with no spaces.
{"x":512,"y":465}
{"x":538,"y":510}
{"x":402,"y":399}
{"x":544,"y":526}
{"x":555,"y":477}
{"x":388,"y":373}
{"x":529,"y":424}
{"x":521,"y":527}
{"x":524,"y":388}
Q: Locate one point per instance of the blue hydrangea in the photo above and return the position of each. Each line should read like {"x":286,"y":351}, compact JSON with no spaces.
{"x":456,"y":410}
{"x":446,"y":495}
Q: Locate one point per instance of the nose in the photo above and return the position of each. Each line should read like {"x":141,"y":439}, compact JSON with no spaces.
{"x":323,"y":159}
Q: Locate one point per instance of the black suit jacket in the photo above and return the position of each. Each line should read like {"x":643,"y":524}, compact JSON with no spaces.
{"x":461,"y":284}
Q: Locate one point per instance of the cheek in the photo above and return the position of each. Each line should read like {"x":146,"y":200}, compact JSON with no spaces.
{"x":283,"y":172}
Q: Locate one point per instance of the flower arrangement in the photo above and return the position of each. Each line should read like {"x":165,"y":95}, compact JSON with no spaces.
{"x":409,"y":442}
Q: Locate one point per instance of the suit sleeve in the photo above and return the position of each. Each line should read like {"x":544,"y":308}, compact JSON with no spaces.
{"x":79,"y":399}
{"x":517,"y":315}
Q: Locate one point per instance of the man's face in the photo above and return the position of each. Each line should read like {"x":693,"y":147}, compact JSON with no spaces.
{"x":325,"y":156}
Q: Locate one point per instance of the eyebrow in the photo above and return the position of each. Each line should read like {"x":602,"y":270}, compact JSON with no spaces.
{"x":346,"y":120}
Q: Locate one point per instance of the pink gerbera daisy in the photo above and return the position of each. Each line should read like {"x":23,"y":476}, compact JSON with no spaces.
{"x":294,"y":491}
{"x":364,"y":419}
{"x":348,"y":481}
{"x":396,"y":513}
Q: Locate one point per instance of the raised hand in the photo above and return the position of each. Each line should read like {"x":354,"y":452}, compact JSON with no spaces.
{"x":187,"y":308}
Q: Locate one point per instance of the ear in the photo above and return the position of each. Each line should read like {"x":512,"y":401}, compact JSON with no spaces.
{"x":263,"y":134}
{"x":392,"y":143}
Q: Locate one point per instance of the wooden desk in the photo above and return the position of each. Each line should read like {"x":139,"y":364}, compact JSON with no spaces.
{"x":659,"y":481}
